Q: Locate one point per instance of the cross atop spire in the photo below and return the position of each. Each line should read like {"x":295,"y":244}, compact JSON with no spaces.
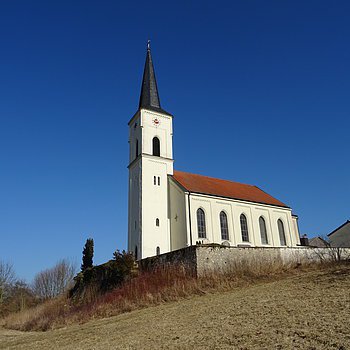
{"x":149,"y":97}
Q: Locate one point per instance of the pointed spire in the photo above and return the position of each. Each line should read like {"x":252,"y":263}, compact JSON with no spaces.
{"x":149,"y":97}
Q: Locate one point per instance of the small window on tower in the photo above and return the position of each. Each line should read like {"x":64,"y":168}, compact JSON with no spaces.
{"x":158,"y":251}
{"x":154,"y":180}
{"x":157,"y":222}
{"x":137,"y":148}
{"x":158,"y":181}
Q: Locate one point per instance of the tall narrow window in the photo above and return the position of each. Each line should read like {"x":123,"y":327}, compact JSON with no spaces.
{"x":158,"y":181}
{"x":158,"y":251}
{"x":156,"y":146}
{"x":201,"y":223}
{"x":281,"y":232}
{"x":137,"y":148}
{"x":136,"y":252}
{"x":154,"y":180}
{"x":244,"y":228}
{"x":224,"y":226}
{"x":157,"y":222}
{"x":263,"y":231}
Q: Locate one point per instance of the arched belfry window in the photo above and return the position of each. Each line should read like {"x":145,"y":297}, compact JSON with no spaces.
{"x":156,"y":146}
{"x":158,"y":250}
{"x":157,"y":222}
{"x":263,"y":231}
{"x":281,"y":232}
{"x":244,"y":228}
{"x":201,"y":223}
{"x":224,"y":226}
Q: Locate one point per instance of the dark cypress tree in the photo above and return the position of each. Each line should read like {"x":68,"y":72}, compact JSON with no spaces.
{"x":88,"y":254}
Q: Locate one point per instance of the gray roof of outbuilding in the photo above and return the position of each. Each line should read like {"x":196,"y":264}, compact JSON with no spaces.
{"x":338,"y":228}
{"x":149,"y":97}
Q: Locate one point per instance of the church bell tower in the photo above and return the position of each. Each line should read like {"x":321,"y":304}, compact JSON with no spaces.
{"x":150,"y":163}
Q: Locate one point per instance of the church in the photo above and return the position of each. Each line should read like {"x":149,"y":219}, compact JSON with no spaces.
{"x":170,"y":209}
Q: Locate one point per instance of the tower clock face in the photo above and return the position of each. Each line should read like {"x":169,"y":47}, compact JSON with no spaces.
{"x":155,"y":121}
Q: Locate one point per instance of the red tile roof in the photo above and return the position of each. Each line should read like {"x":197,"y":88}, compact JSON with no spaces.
{"x":224,"y":188}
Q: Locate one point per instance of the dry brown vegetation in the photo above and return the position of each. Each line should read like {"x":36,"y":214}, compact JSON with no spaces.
{"x":150,"y":288}
{"x":300,"y":309}
{"x":157,"y":286}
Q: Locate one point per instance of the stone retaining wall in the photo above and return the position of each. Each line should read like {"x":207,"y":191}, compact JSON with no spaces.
{"x":223,"y":259}
{"x":186,"y":257}
{"x":204,"y":259}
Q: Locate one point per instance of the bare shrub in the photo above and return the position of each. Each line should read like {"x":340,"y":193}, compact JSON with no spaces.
{"x":331,"y":254}
{"x":54,"y":281}
{"x":40,"y":318}
{"x":7,"y":278}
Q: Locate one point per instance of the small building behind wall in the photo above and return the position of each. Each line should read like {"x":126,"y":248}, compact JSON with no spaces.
{"x":318,"y":242}
{"x":340,"y":237}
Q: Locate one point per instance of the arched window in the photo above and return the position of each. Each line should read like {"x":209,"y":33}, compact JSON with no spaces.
{"x":157,"y":222}
{"x":154,"y":180}
{"x":137,"y":148}
{"x":244,"y":228}
{"x":201,"y":223}
{"x":281,"y":232}
{"x":224,"y":226}
{"x":156,"y":146}
{"x":263,"y":231}
{"x":158,"y":251}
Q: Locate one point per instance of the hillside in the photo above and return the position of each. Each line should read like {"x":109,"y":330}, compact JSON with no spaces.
{"x":309,"y":310}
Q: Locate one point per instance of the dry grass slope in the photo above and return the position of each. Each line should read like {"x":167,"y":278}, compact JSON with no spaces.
{"x":162,"y":284}
{"x":304,"y":310}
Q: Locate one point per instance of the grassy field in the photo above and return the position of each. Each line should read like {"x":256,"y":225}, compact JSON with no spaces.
{"x":308,"y":310}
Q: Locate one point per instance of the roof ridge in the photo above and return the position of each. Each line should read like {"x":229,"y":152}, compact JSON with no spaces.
{"x":216,"y":178}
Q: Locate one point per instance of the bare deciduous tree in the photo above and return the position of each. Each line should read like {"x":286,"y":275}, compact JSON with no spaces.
{"x":7,"y":278}
{"x":54,"y":281}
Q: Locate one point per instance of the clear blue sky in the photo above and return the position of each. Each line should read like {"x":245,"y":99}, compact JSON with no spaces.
{"x":259,"y":89}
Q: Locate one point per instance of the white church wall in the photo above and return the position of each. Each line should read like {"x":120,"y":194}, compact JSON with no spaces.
{"x":155,"y":171}
{"x":134,"y":209}
{"x":134,"y":134}
{"x":212,"y":207}
{"x":149,"y":227}
{"x":296,"y":230}
{"x":177,"y":216}
{"x":155,"y":206}
{"x":163,"y":130}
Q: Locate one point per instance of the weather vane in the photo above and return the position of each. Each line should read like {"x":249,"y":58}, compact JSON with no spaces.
{"x":148,"y":44}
